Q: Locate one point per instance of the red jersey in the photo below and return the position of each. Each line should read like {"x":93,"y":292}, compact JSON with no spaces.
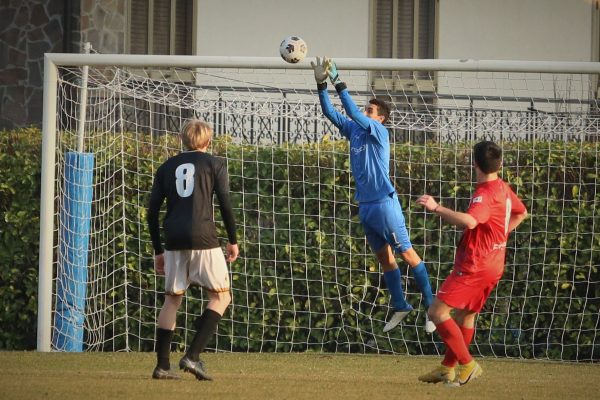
{"x":484,"y":247}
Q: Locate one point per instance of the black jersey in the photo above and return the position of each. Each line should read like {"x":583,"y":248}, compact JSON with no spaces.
{"x":188,"y":181}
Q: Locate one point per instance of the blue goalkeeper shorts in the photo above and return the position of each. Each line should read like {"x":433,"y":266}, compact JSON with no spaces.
{"x":384,"y":223}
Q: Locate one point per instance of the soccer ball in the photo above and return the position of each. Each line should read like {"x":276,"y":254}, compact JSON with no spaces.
{"x":293,"y":49}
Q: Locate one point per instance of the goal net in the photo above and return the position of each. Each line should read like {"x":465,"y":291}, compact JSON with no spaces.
{"x":307,"y":279}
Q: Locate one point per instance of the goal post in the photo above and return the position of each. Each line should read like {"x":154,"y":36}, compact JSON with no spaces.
{"x":306,"y":279}
{"x":44,"y":322}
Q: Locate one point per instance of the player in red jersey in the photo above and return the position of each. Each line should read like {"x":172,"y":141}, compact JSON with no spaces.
{"x":494,"y":211}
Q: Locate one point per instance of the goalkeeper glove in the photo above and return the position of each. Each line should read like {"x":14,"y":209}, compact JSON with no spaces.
{"x":334,"y":76}
{"x":320,"y":70}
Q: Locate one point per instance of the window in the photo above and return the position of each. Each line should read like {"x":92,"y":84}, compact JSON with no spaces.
{"x":596,"y":30}
{"x":161,"y":26}
{"x":403,"y":29}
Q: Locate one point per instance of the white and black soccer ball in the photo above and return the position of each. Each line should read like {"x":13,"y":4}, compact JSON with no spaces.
{"x":293,"y":49}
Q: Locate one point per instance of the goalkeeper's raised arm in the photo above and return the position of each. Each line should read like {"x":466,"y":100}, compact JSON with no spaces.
{"x":351,"y":109}
{"x":327,"y":69}
{"x":320,"y":69}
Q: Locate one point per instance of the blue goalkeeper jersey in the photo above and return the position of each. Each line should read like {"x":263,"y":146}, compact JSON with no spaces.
{"x":369,"y":147}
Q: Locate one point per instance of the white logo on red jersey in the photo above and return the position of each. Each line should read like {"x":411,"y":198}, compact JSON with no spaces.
{"x":477,"y":199}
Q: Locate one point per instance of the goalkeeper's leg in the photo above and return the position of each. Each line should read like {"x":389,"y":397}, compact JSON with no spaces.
{"x":164,"y":336}
{"x":386,"y":232}
{"x":419,"y":271}
{"x":206,"y":326}
{"x":388,"y":220}
{"x":393,"y":280}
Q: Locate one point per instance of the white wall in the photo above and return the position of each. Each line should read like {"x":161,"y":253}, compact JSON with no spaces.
{"x":334,"y":28}
{"x":515,"y":29}
{"x":477,"y":29}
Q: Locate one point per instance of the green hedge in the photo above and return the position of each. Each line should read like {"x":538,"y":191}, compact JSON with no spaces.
{"x":304,"y":254}
{"x":20,"y":230}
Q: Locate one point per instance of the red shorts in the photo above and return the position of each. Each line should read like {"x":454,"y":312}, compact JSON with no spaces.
{"x":468,"y":291}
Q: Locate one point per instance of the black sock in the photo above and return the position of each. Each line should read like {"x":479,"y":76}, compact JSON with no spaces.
{"x":206,"y":326}
{"x":163,"y":348}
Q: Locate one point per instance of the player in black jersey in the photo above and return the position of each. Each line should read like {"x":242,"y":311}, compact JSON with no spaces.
{"x":192,"y":254}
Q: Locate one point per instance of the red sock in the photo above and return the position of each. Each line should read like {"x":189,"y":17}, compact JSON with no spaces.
{"x":454,"y":340}
{"x":450,"y":359}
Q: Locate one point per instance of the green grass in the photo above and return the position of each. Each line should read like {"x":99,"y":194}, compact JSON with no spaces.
{"x":32,"y":375}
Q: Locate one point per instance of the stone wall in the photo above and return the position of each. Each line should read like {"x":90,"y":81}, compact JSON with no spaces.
{"x":30,"y":28}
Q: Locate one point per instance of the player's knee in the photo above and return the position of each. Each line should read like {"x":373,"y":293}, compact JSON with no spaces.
{"x":411,"y":257}
{"x":437,"y":314}
{"x":384,"y":260}
{"x":465,"y":317}
{"x":385,"y":257}
{"x":174,"y":299}
{"x":225,"y":298}
{"x":431,"y":313}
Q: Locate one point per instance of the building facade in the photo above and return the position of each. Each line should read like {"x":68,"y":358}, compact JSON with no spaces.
{"x":558,"y":30}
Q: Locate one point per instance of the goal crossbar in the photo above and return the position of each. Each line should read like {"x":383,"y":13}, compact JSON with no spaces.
{"x":139,"y":60}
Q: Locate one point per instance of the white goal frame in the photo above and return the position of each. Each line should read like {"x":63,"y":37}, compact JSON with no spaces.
{"x":53,"y":61}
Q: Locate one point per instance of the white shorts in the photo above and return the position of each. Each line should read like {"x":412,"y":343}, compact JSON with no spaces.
{"x":205,"y":268}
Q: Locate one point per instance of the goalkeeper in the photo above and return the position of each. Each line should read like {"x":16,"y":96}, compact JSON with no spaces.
{"x":379,"y":208}
{"x":193,"y":255}
{"x":495,"y":210}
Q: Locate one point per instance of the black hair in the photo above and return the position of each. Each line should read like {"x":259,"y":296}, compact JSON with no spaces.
{"x":487,"y":156}
{"x":383,"y":108}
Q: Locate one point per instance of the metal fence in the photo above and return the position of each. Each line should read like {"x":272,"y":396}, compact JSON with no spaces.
{"x":293,"y":121}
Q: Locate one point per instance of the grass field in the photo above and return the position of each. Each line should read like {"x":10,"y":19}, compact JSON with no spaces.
{"x":32,"y":375}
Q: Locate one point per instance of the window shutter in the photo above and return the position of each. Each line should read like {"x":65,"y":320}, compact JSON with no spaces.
{"x":138,"y":39}
{"x":183,"y":27}
{"x":405,"y":23}
{"x":426,"y":28}
{"x":384,"y":28}
{"x":397,"y":36}
{"x":162,"y":26}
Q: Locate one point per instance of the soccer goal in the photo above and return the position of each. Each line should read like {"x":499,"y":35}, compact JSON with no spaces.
{"x":306,"y":279}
